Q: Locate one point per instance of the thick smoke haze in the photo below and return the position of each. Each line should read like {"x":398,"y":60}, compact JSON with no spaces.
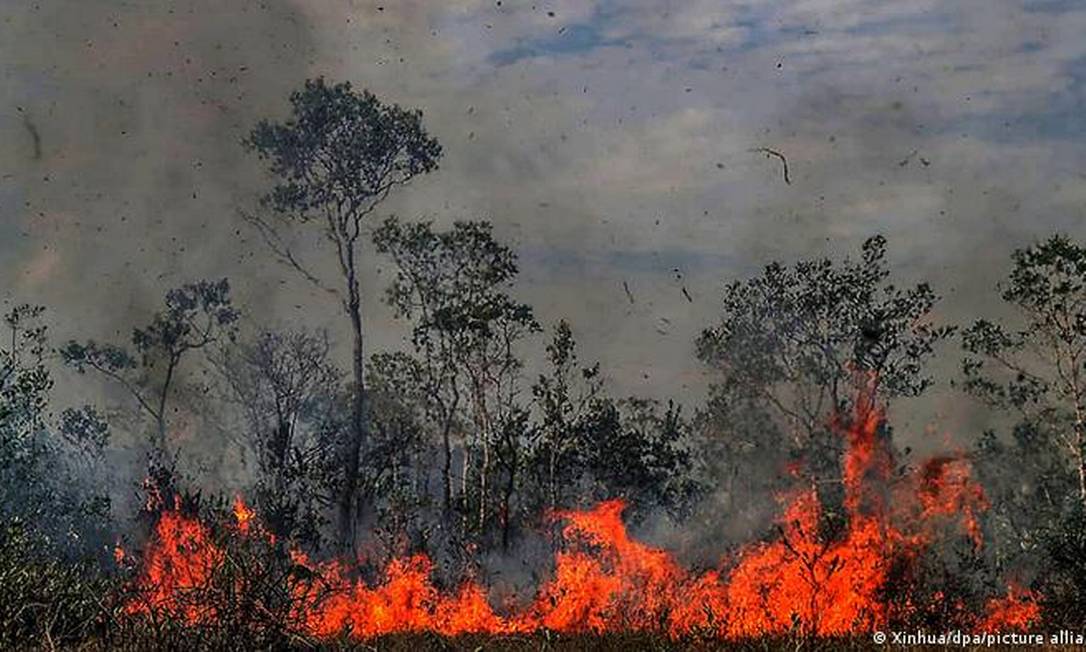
{"x":610,"y":141}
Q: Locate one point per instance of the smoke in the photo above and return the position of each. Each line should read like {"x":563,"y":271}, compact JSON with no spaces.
{"x":123,"y":162}
{"x":122,"y":168}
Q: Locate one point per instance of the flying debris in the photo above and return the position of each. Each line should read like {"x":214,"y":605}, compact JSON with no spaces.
{"x":772,"y":152}
{"x":905,"y":161}
{"x":35,"y":135}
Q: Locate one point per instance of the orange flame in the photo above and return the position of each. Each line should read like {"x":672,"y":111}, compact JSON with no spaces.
{"x":605,"y":581}
{"x":1016,"y":611}
{"x":180,"y":560}
{"x":243,"y":514}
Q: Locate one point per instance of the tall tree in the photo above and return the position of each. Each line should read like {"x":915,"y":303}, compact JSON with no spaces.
{"x":51,"y":513}
{"x":402,"y":455}
{"x":1035,"y":366}
{"x":195,"y":316}
{"x":39,"y":484}
{"x":335,"y":160}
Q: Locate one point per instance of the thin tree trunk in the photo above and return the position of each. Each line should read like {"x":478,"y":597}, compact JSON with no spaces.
{"x":448,"y":417}
{"x":1080,"y":435}
{"x":357,"y":439}
{"x":552,"y":486}
{"x":507,"y":498}
{"x":160,"y":418}
{"x":483,"y":488}
{"x":446,"y":471}
{"x":465,"y":470}
{"x":483,"y":424}
{"x":1080,"y":453}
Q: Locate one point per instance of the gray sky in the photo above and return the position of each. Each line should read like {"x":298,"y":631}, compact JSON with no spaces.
{"x":608,"y":140}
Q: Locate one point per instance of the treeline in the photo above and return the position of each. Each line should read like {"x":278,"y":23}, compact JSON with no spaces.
{"x":449,"y":447}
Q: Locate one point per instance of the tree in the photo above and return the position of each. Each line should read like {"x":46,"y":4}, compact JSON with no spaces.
{"x":564,"y":399}
{"x":588,"y":446}
{"x":640,"y":451}
{"x":791,"y":342}
{"x":1036,"y":367}
{"x":196,"y":315}
{"x":514,"y":430}
{"x":286,"y":386}
{"x":51,"y":521}
{"x":454,"y":285}
{"x":1027,"y":481}
{"x":25,"y":385}
{"x":36,"y":452}
{"x":401,"y":455}
{"x":335,"y":160}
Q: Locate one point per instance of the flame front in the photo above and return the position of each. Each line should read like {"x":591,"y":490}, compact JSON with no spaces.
{"x":605,"y":581}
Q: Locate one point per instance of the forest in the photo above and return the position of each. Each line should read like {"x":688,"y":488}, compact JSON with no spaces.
{"x":483,"y":485}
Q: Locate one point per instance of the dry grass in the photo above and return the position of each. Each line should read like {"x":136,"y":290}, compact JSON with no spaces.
{"x":544,"y":641}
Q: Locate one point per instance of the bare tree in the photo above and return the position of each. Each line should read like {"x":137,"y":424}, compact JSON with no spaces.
{"x":285,"y":386}
{"x":335,"y":160}
{"x":196,"y":315}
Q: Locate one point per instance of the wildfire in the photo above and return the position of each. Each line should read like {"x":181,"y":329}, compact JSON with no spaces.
{"x":1015,"y":611}
{"x":243,"y":513}
{"x":176,"y":567}
{"x":605,"y":581}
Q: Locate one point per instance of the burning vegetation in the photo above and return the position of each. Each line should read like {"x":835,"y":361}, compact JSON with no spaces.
{"x":605,"y":582}
{"x":437,"y":495}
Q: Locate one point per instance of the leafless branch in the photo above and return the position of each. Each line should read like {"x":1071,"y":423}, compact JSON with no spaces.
{"x":282,"y":251}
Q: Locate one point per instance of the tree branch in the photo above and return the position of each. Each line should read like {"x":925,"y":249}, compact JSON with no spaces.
{"x":282,"y":251}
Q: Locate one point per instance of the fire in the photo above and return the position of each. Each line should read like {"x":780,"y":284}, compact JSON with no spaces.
{"x":605,"y":581}
{"x":1015,"y":611}
{"x":243,"y":514}
{"x":178,"y":563}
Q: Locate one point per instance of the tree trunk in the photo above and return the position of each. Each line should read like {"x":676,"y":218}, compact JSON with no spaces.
{"x":160,"y":417}
{"x":552,"y":467}
{"x":1080,"y":436}
{"x":483,"y":485}
{"x":446,"y":471}
{"x":507,"y":499}
{"x":483,"y":424}
{"x":357,"y":436}
{"x":1080,"y":453}
{"x":1082,"y":475}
